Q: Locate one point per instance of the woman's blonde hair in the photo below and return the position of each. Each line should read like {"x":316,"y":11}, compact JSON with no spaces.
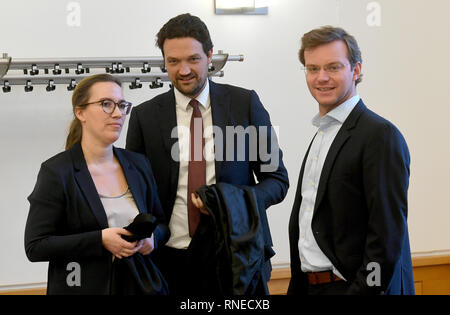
{"x":80,"y":97}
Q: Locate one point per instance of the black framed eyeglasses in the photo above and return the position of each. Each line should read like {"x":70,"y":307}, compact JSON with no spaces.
{"x":109,"y":106}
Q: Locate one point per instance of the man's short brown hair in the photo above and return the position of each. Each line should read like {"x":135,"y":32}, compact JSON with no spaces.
{"x":185,"y":25}
{"x":328,"y":34}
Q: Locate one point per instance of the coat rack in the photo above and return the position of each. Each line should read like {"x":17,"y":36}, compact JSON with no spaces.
{"x":69,"y":71}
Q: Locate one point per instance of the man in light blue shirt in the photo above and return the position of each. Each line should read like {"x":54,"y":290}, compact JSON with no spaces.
{"x":348,"y":228}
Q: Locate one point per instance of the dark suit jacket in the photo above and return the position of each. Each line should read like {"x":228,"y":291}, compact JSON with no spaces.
{"x":361,"y":209}
{"x":66,"y":218}
{"x":151,"y":125}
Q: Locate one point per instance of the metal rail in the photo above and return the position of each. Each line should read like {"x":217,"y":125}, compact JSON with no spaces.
{"x":69,"y":71}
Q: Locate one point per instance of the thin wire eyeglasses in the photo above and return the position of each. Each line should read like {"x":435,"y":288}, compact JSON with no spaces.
{"x":331,"y":68}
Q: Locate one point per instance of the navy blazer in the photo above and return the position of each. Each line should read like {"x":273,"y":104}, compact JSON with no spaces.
{"x":150,"y":132}
{"x":66,"y":219}
{"x":360,"y":213}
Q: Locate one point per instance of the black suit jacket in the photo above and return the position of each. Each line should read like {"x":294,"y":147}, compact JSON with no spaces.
{"x":361,"y":209}
{"x":66,"y":218}
{"x":150,"y":129}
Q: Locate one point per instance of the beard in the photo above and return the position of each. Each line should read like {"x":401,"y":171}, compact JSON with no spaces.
{"x":191,"y":91}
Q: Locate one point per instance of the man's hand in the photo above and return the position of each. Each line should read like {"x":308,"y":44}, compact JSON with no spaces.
{"x":199,"y":203}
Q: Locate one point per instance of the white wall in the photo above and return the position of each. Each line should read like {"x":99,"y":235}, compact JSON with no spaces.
{"x":405,"y":79}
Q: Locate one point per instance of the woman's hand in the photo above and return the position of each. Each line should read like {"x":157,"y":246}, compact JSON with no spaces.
{"x":113,"y":242}
{"x":147,"y":245}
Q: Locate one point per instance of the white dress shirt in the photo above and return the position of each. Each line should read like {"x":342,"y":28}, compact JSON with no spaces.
{"x":311,"y":256}
{"x":178,"y":224}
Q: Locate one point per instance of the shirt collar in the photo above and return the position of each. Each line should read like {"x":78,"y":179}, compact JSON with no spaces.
{"x":339,"y":113}
{"x":183,"y":100}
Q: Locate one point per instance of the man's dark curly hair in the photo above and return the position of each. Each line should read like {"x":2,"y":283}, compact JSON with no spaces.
{"x":185,"y":25}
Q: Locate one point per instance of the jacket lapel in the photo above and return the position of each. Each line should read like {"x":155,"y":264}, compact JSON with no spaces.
{"x":298,"y":196}
{"x":294,"y":220}
{"x":87,"y":186}
{"x":220,"y":106}
{"x":167,"y":121}
{"x":341,"y":138}
{"x":132,"y":180}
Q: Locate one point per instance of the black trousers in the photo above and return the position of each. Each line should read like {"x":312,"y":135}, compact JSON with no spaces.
{"x":175,"y":265}
{"x":186,"y":277}
{"x":332,"y":288}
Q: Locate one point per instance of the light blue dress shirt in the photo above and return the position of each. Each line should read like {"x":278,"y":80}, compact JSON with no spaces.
{"x":311,"y":256}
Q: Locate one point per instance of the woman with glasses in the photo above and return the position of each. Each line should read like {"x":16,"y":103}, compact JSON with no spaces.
{"x":85,"y":195}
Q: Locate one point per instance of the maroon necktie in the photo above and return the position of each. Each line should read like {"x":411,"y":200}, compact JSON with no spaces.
{"x":197,"y":165}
